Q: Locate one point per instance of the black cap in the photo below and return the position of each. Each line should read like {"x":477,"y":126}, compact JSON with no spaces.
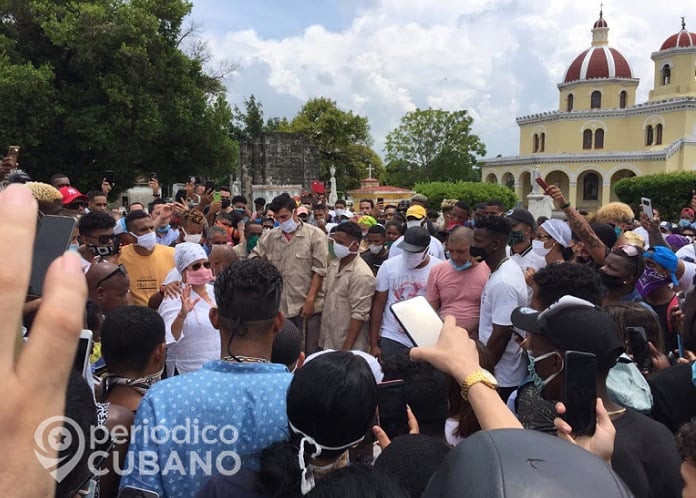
{"x":521,"y":216}
{"x":510,"y":463}
{"x":574,"y":324}
{"x":416,"y":239}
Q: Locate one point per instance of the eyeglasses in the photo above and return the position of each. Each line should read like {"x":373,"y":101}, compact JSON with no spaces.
{"x":104,"y":239}
{"x":119,"y":269}
{"x":197,"y":266}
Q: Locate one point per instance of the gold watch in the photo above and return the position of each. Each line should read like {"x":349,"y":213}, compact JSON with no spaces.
{"x":480,"y":375}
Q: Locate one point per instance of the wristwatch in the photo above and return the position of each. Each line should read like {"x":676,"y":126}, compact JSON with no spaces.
{"x":480,"y":375}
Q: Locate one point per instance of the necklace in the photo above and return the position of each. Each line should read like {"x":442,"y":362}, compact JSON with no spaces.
{"x":616,"y":412}
{"x":247,"y":359}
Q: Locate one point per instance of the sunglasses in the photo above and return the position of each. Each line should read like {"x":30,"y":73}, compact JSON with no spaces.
{"x":76,"y":205}
{"x":104,"y":239}
{"x":118,"y":270}
{"x":197,"y":266}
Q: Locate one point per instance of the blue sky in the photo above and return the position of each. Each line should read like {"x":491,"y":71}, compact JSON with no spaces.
{"x":498,"y":59}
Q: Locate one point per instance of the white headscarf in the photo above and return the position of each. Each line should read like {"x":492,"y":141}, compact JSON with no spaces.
{"x":559,"y":231}
{"x":187,"y":253}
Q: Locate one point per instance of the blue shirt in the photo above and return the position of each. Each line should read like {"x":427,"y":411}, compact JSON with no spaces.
{"x":211,"y":421}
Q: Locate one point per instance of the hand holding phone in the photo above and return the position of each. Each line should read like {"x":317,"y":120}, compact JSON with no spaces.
{"x":391,"y":408}
{"x":646,"y":203}
{"x":542,"y":183}
{"x":419,"y":320}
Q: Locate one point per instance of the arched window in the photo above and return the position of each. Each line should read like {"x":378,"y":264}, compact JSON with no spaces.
{"x":590,"y":187}
{"x":542,"y":143}
{"x":570,"y":102}
{"x":666,"y":74}
{"x":599,"y":139}
{"x":587,"y":139}
{"x":649,"y":135}
{"x":658,"y":134}
{"x":536,"y":143}
{"x":622,"y":99}
{"x":596,"y":100}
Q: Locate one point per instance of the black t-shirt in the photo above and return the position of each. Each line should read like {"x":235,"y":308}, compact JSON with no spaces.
{"x":674,"y":396}
{"x":645,"y":457}
{"x":375,"y":261}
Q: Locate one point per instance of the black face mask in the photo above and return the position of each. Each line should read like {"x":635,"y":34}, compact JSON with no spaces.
{"x":611,"y":281}
{"x":103,"y":250}
{"x":478,"y":252}
{"x":225,"y":203}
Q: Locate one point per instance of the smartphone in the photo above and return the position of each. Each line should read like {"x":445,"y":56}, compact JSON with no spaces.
{"x":647,"y":207}
{"x":638,"y":343}
{"x":153,"y":176}
{"x":580,"y":391}
{"x":109,"y":177}
{"x":216,"y":197}
{"x":209,"y":186}
{"x":420,"y":321}
{"x":53,"y":238}
{"x":132,"y":492}
{"x":380,"y":200}
{"x":13,"y":151}
{"x":542,"y":183}
{"x":391,"y":408}
{"x":84,"y":349}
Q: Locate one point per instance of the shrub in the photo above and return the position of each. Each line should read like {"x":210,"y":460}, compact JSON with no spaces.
{"x":669,"y":192}
{"x":472,"y":192}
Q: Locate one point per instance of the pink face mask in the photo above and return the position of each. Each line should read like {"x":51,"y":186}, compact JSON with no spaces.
{"x":199,"y":277}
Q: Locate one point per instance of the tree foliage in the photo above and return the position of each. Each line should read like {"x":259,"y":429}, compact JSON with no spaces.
{"x":91,"y":85}
{"x":343,"y":139}
{"x":669,"y":192}
{"x":432,"y":144}
{"x":472,"y":192}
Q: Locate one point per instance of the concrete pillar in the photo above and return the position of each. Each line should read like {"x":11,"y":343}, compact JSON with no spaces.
{"x":573,"y":193}
{"x":606,"y":192}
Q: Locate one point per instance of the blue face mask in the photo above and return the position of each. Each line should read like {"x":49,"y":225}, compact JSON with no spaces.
{"x":163,"y":229}
{"x":618,"y":232}
{"x":540,"y":383}
{"x":74,"y":247}
{"x":683,"y":223}
{"x":463,"y":267}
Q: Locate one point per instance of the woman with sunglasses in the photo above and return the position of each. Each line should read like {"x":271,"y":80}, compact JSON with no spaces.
{"x":191,"y":339}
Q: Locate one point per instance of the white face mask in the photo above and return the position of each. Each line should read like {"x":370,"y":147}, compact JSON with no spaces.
{"x":289,"y":225}
{"x":539,"y":249}
{"x":340,"y":212}
{"x":195,"y":238}
{"x":147,"y":241}
{"x":413,"y":223}
{"x":375,"y":249}
{"x":341,"y":251}
{"x":413,"y":259}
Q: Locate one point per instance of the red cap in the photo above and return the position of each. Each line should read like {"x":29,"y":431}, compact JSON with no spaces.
{"x":688,"y":212}
{"x":317,"y":187}
{"x":71,"y":194}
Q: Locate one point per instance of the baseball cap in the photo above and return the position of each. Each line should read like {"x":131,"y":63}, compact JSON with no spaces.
{"x":302,"y":210}
{"x":71,"y":194}
{"x":419,"y":198}
{"x":688,"y":212}
{"x":574,"y":324}
{"x":664,"y":257}
{"x":367,"y":221}
{"x":521,"y":216}
{"x":416,"y":212}
{"x":416,"y":239}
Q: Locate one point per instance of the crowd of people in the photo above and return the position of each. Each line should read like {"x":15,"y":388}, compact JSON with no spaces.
{"x":267,"y":330}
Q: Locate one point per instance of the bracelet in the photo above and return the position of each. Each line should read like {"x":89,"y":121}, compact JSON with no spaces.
{"x":565,"y":205}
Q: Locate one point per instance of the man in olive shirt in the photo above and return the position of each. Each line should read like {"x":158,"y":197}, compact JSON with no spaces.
{"x":300,"y":252}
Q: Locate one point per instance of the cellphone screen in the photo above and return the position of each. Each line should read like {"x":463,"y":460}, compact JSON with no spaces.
{"x":52,"y":239}
{"x":391,"y":408}
{"x":647,"y":207}
{"x":420,"y":321}
{"x":639,"y":347}
{"x":79,"y":363}
{"x":580,"y":391}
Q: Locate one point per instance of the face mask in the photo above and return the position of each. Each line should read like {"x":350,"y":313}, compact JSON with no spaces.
{"x":516,"y":237}
{"x":200,"y":277}
{"x":375,"y":249}
{"x":102,"y":250}
{"x":195,"y":238}
{"x":389,"y":243}
{"x":341,"y":251}
{"x":451,"y":225}
{"x":611,"y":281}
{"x":539,"y":249}
{"x":413,"y":223}
{"x":147,"y":241}
{"x":163,"y":229}
{"x":478,"y":252}
{"x":651,"y":280}
{"x":412,"y":260}
{"x":251,"y":242}
{"x":683,"y":223}
{"x":74,"y":247}
{"x":289,"y":225}
{"x":540,"y":383}
{"x":618,"y":231}
{"x":339,"y":212}
{"x":225,"y":203}
{"x":463,"y":267}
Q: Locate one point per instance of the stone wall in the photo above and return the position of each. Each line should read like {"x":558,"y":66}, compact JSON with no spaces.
{"x":277,"y":159}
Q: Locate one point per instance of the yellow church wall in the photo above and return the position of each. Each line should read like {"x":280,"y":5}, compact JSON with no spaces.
{"x":609,"y":89}
{"x":682,"y":77}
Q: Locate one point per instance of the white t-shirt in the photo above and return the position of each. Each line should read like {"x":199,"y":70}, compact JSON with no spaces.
{"x":400,"y":284}
{"x":436,"y":250}
{"x":505,"y":291}
{"x":199,"y":342}
{"x":687,"y":253}
{"x":529,"y":259}
{"x":686,"y":282}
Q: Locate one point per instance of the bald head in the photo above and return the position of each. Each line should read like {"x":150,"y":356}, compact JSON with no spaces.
{"x":221,"y":256}
{"x":108,"y":286}
{"x":461,"y":234}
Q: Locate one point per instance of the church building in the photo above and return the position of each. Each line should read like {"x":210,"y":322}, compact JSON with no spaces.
{"x":599,"y":134}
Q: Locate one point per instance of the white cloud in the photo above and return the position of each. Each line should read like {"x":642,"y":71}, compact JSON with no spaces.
{"x":496,"y":58}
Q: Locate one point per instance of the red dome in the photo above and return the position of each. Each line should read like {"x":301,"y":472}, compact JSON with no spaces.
{"x":600,"y":23}
{"x":598,"y":62}
{"x":683,"y":39}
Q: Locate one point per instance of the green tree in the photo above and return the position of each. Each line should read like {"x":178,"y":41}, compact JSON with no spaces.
{"x":92,"y":85}
{"x":247,"y":125}
{"x":438,"y":144}
{"x":472,"y":192}
{"x":343,"y":139}
{"x":669,"y":192}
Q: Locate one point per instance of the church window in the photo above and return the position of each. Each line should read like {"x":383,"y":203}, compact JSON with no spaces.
{"x":590,"y":187}
{"x":542,"y":142}
{"x":570,"y":102}
{"x":596,"y":100}
{"x":658,"y":134}
{"x":536,"y":143}
{"x":649,"y":135}
{"x":599,"y":139}
{"x":587,"y":139}
{"x":666,"y":74}
{"x":622,"y":99}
